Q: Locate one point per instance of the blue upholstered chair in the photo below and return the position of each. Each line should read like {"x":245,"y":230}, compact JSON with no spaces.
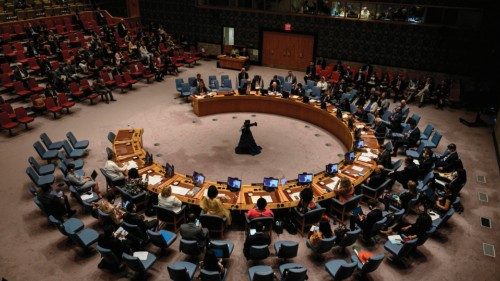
{"x":293,"y":272}
{"x":111,"y":137}
{"x":434,"y":141}
{"x":374,"y":192}
{"x":181,"y":271}
{"x":161,"y":239}
{"x":349,"y":239}
{"x":190,"y":247}
{"x":258,"y":252}
{"x":222,"y":248}
{"x":171,"y":218}
{"x":370,"y":265}
{"x":416,"y":153}
{"x":44,"y":154}
{"x":260,"y":273}
{"x":215,"y":224}
{"x":340,"y":269}
{"x":108,"y":259}
{"x":344,"y":208}
{"x":178,"y":84}
{"x":426,"y":134}
{"x":137,"y":265}
{"x":400,"y":251}
{"x":76,"y":144}
{"x":438,"y":223}
{"x":324,"y":245}
{"x":206,"y":275}
{"x":304,"y":221}
{"x":49,"y":144}
{"x":39,"y":180}
{"x":42,"y":170}
{"x":72,"y":152}
{"x":286,"y":249}
{"x":71,"y":225}
{"x":77,"y":162}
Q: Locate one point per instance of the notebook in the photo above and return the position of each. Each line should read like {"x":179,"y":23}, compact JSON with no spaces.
{"x":395,"y":239}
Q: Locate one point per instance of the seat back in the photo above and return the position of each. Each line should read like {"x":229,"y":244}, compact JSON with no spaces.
{"x":267,"y":222}
{"x":189,"y":247}
{"x":20,"y":112}
{"x":134,"y":230}
{"x":287,"y":87}
{"x":134,"y":263}
{"x":71,"y":137}
{"x":243,"y":82}
{"x":39,"y":147}
{"x":258,"y":252}
{"x":316,"y":92}
{"x":164,"y":214}
{"x":295,"y":274}
{"x":345,"y":271}
{"x":288,"y":250}
{"x":4,"y":118}
{"x":352,"y":202}
{"x":32,"y":174}
{"x":50,"y":103}
{"x":372,"y":264}
{"x":156,"y":238}
{"x":428,"y":130}
{"x":34,"y":164}
{"x":67,"y":147}
{"x":446,"y":217}
{"x":6,"y":107}
{"x":421,"y":240}
{"x":211,"y":78}
{"x":314,"y":216}
{"x":214,"y":85}
{"x":108,"y":256}
{"x":111,"y":137}
{"x":325,"y":245}
{"x":436,"y":138}
{"x":178,"y":273}
{"x":206,"y":275}
{"x":350,"y":238}
{"x":191,"y":80}
{"x":227,"y":84}
{"x":220,"y":246}
{"x":212,"y":221}
{"x":178,"y":83}
{"x":40,"y":205}
{"x":407,"y":248}
{"x":427,"y":178}
{"x":224,"y":78}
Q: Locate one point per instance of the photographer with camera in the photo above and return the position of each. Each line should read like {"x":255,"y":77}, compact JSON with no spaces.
{"x":247,"y":143}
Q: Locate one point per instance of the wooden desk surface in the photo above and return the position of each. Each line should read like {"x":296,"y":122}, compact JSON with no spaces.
{"x":128,"y":147}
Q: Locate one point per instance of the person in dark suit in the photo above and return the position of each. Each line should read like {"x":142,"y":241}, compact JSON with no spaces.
{"x":55,"y":203}
{"x":384,"y":157}
{"x":449,"y":160}
{"x":410,"y":139}
{"x":256,"y":239}
{"x":242,"y":75}
{"x":196,"y":81}
{"x":290,"y":78}
{"x":377,"y":177}
{"x":395,"y":119}
{"x":299,"y":90}
{"x":192,"y":231}
{"x":410,"y":172}
{"x":108,"y":241}
{"x":274,"y":87}
{"x":310,"y":72}
{"x":379,"y":129}
{"x":426,"y":162}
{"x":257,"y":83}
{"x":132,"y":217}
{"x":366,"y":222}
{"x":21,"y":75}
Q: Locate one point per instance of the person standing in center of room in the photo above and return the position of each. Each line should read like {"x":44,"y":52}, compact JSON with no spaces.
{"x":247,"y":144}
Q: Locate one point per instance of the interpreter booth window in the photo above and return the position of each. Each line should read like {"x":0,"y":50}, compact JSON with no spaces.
{"x":228,"y":36}
{"x":368,"y":11}
{"x":353,"y":9}
{"x":338,"y":9}
{"x":416,"y":14}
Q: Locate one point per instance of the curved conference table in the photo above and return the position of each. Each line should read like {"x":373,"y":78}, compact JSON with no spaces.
{"x":129,"y":150}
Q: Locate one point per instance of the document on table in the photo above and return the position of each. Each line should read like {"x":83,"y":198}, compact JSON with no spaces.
{"x":295,"y":196}
{"x":87,"y":196}
{"x":364,"y":158}
{"x":141,"y":255}
{"x":395,"y":239}
{"x":179,"y":190}
{"x":333,"y":185}
{"x":416,"y":162}
{"x":131,"y":164}
{"x":434,"y":216}
{"x":156,"y":179}
{"x":268,"y":198}
{"x":357,"y":168}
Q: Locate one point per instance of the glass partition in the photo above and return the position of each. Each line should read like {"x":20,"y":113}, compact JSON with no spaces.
{"x":353,"y":9}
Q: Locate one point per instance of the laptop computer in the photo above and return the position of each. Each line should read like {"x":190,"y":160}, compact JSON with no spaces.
{"x":93,"y":175}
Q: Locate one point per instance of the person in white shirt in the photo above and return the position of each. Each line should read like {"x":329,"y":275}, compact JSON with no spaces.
{"x":169,"y":201}
{"x":115,"y":172}
{"x":322,"y":84}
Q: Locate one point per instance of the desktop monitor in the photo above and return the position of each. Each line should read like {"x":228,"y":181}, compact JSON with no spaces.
{"x":349,"y":157}
{"x":332,"y":169}
{"x":169,"y":170}
{"x":359,"y":144}
{"x":305,"y":178}
{"x":233,"y":184}
{"x":270,"y":184}
{"x":198,"y":179}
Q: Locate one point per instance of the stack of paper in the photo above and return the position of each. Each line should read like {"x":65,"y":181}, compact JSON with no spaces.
{"x":295,"y":196}
{"x":364,"y":158}
{"x":87,"y":196}
{"x":395,"y":239}
{"x":434,"y":216}
{"x":156,"y":179}
{"x":141,"y":255}
{"x":179,"y":190}
{"x":333,"y":185}
{"x":131,"y":164}
{"x":357,"y":168}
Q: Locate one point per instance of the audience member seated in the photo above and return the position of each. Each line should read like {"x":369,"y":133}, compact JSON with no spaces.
{"x":384,"y":157}
{"x":299,"y":90}
{"x":260,"y":210}
{"x":449,"y":161}
{"x":274,"y":88}
{"x":410,"y":172}
{"x":55,"y":203}
{"x":444,"y":202}
{"x":81,"y":183}
{"x":212,"y":263}
{"x":132,"y":217}
{"x":379,"y":129}
{"x":306,"y":202}
{"x":395,"y":120}
{"x":169,"y":201}
{"x":410,"y":139}
{"x":366,"y":222}
{"x":414,"y":230}
{"x":345,"y":191}
{"x":212,"y":205}
{"x":377,"y":177}
{"x":115,"y":172}
{"x":115,"y":214}
{"x":257,"y":83}
{"x":101,"y":89}
{"x":258,"y":238}
{"x":425,"y":162}
{"x":242,"y":75}
{"x":400,"y":201}
{"x":117,"y":245}
{"x":192,"y":230}
{"x":290,"y":78}
{"x":310,"y":72}
{"x":323,"y":231}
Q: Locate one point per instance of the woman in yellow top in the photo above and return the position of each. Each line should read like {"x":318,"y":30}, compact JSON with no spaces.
{"x":213,"y":206}
{"x":324,"y":231}
{"x":345,"y":191}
